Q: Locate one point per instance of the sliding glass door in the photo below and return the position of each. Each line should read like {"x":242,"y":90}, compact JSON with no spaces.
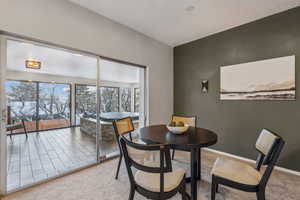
{"x":57,"y":113}
{"x":42,"y":136}
{"x":3,"y":117}
{"x":121,"y":87}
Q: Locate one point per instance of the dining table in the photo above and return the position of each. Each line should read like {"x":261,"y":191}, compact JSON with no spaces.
{"x":191,"y":141}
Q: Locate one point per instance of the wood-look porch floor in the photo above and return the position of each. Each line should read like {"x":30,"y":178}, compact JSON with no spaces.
{"x":49,"y":153}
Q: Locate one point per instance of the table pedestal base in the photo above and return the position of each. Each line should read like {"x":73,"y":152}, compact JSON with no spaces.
{"x":195,"y":172}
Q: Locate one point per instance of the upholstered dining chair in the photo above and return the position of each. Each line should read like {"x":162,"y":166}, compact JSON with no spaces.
{"x":191,"y":121}
{"x":154,"y":180}
{"x":125,"y":127}
{"x":244,"y":177}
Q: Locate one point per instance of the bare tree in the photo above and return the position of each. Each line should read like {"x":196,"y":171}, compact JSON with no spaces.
{"x":109,"y":99}
{"x":22,"y":98}
{"x":52,"y":105}
{"x":85,"y":99}
{"x":125,"y":99}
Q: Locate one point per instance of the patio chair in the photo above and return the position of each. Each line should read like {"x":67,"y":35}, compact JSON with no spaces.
{"x":244,"y":177}
{"x":153,"y":180}
{"x":16,"y":126}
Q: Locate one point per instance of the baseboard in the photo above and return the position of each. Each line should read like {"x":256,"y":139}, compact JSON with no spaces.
{"x":281,"y":169}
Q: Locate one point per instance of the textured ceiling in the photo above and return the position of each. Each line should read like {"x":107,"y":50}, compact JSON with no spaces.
{"x":175,"y":22}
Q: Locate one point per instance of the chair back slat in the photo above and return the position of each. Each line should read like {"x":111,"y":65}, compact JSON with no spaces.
{"x":265,"y":145}
{"x":265,"y":141}
{"x":191,"y":121}
{"x":269,"y":145}
{"x":123,"y":126}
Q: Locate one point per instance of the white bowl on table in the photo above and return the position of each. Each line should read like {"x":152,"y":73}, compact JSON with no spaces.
{"x":178,"y":129}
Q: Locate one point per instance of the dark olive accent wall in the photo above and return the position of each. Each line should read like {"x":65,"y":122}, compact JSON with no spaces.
{"x":238,"y":123}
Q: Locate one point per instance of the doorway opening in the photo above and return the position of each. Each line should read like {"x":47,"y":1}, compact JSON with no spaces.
{"x":59,"y":115}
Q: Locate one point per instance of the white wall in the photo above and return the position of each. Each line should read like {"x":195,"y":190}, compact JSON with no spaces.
{"x":63,"y":23}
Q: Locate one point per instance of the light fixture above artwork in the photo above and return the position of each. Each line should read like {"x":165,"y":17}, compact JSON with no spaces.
{"x":204,"y":85}
{"x":32,"y":64}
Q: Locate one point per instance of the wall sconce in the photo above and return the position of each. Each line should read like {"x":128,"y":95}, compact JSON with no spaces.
{"x":204,"y":85}
{"x":31,"y":64}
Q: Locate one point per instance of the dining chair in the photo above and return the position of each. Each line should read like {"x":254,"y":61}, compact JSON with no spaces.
{"x":125,"y":127}
{"x":153,"y":180}
{"x":239,"y":175}
{"x":191,"y":121}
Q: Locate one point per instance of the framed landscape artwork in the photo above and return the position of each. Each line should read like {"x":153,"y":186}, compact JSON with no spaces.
{"x":272,"y":79}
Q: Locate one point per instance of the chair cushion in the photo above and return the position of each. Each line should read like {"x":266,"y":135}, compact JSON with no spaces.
{"x":151,"y":181}
{"x":236,"y":171}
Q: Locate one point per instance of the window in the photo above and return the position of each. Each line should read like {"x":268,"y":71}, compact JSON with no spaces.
{"x":54,"y":105}
{"x":125,"y":94}
{"x":22,"y":103}
{"x":42,"y":106}
{"x":85,"y":102}
{"x":136,"y":99}
{"x":109,"y":99}
{"x":113,"y":99}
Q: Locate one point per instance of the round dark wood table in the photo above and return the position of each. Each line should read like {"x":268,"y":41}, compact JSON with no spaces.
{"x":192,"y":141}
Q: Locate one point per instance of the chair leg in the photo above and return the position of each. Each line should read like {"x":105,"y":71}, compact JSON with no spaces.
{"x":173,"y":154}
{"x":25,"y":132}
{"x":260,"y":194}
{"x":119,"y":164}
{"x":213,"y":189}
{"x":217,"y":188}
{"x":10,"y":135}
{"x":132,"y":192}
{"x":183,"y":192}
